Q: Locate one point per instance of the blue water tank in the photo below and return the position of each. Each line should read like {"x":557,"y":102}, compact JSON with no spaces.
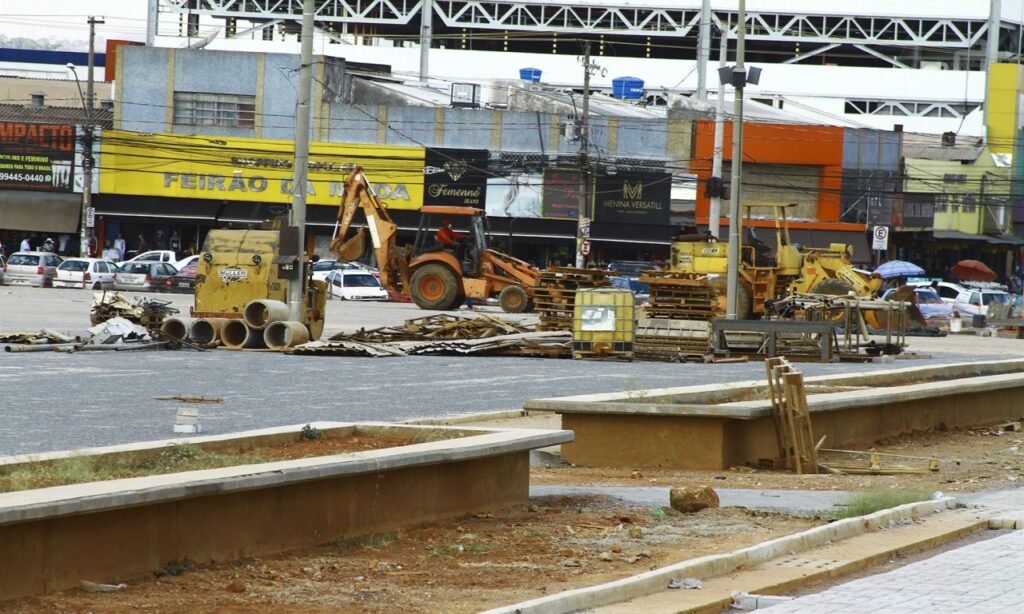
{"x":628,"y":88}
{"x":530,"y":74}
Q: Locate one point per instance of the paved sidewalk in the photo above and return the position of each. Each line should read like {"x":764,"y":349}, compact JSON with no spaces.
{"x":986,"y":576}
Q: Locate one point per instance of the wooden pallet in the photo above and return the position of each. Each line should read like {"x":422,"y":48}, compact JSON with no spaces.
{"x":680,"y":296}
{"x":672,"y":340}
{"x":554,"y":297}
{"x":793,"y":431}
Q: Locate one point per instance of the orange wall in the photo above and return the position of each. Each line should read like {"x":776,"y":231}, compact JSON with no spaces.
{"x":820,"y":146}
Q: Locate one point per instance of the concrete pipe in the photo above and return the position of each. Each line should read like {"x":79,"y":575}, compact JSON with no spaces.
{"x":285,"y":334}
{"x":206,"y":331}
{"x":236,"y":334}
{"x":261,"y":312}
{"x":177,"y":329}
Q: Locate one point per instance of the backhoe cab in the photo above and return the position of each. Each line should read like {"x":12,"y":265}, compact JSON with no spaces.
{"x":434,"y":275}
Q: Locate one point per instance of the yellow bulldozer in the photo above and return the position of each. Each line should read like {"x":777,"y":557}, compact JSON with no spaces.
{"x":765,"y":274}
{"x":433,"y":274}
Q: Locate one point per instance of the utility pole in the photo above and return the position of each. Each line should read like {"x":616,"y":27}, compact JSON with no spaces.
{"x":152,"y":21}
{"x":739,"y":80}
{"x":704,"y":50}
{"x":582,"y":211}
{"x":991,"y":54}
{"x":85,"y":234}
{"x":426,"y":32}
{"x":715,"y":212}
{"x":299,"y":174}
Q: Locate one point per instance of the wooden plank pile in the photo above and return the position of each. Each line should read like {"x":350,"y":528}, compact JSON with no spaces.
{"x":672,"y":340}
{"x":680,"y":296}
{"x":446,"y":334}
{"x":554,"y":297}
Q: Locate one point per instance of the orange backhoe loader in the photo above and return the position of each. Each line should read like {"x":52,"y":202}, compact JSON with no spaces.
{"x":433,"y":274}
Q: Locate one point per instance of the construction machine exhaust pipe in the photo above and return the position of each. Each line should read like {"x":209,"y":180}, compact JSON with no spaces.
{"x":236,"y":334}
{"x":178,"y":329}
{"x":285,"y":334}
{"x":261,"y":312}
{"x":206,"y":331}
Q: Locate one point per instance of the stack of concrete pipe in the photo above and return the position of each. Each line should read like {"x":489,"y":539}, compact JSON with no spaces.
{"x":200,"y":331}
{"x":264,"y":324}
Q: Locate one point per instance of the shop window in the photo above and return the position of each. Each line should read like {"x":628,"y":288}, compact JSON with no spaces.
{"x":202,"y":109}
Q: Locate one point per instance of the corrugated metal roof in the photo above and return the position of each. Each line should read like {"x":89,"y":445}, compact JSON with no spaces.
{"x":56,"y":115}
{"x":930,"y":147}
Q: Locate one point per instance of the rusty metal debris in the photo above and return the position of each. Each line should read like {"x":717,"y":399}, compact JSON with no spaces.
{"x":445,"y":334}
{"x":149,"y":313}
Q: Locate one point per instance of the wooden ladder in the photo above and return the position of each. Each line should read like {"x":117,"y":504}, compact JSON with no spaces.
{"x":793,"y":432}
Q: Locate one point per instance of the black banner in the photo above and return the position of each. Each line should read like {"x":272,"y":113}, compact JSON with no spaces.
{"x":455,"y":177}
{"x":633,"y":198}
{"x":37,"y":156}
{"x":561,"y":199}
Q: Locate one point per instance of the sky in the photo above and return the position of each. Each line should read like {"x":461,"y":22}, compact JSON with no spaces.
{"x":66,"y":19}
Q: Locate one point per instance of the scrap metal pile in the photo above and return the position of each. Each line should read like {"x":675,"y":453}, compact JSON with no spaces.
{"x":146,"y":312}
{"x":116,"y":334}
{"x":446,"y":334}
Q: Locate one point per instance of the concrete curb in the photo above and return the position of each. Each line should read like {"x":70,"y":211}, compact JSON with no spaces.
{"x":719,"y":564}
{"x":484,"y":416}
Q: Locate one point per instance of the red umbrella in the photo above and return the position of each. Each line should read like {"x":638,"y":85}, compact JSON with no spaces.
{"x":972,"y":270}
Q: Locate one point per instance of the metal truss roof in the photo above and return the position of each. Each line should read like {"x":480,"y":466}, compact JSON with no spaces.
{"x":620,"y":18}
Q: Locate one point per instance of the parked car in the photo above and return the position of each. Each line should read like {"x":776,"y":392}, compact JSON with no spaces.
{"x":143,"y":276}
{"x":185,"y":280}
{"x":947,"y":291}
{"x":31,"y":269}
{"x":156,"y":255}
{"x":627,"y":276}
{"x":991,"y":303}
{"x":322,"y":267}
{"x":91,"y":273}
{"x":354,"y":285}
{"x":184,"y":262}
{"x":936,"y":312}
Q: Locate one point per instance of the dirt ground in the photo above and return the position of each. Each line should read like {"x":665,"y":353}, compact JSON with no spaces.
{"x":554,"y":544}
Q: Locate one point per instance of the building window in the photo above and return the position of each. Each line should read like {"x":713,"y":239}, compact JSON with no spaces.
{"x":201,"y":109}
{"x":954,"y":178}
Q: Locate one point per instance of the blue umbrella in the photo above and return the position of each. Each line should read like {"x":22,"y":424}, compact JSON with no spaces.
{"x":898,"y":268}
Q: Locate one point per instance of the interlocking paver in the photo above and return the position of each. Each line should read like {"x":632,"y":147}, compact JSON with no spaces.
{"x":986,"y":576}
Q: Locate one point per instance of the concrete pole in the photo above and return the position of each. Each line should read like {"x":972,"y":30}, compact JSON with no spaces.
{"x":704,"y":50}
{"x":715,"y":213}
{"x":426,"y":32}
{"x":991,"y":54}
{"x":85,"y":228}
{"x":152,"y":19}
{"x":582,"y":210}
{"x":299,"y":174}
{"x":739,"y":72}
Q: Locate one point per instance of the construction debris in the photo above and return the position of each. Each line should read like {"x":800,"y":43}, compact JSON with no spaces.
{"x":554,"y":298}
{"x":875,"y":463}
{"x":445,"y":334}
{"x":149,"y":313}
{"x":672,"y":340}
{"x":680,"y":296}
{"x":189,"y":399}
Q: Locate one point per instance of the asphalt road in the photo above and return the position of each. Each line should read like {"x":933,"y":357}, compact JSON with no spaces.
{"x":55,"y":401}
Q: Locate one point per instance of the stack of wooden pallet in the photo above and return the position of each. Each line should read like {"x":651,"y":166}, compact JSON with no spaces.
{"x":555,"y":295}
{"x":680,"y":296}
{"x":672,"y":340}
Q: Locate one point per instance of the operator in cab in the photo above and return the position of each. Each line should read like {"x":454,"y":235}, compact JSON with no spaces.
{"x":446,"y":236}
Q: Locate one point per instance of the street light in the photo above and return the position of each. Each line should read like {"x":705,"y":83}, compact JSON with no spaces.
{"x":85,"y":228}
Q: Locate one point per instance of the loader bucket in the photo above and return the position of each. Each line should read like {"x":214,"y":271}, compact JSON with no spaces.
{"x":352,"y":248}
{"x":913,"y":316}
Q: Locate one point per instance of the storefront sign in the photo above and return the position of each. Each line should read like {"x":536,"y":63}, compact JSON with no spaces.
{"x":633,"y":198}
{"x":36,"y":156}
{"x":561,"y":194}
{"x":514,"y":195}
{"x":254,"y":170}
{"x":455,"y":177}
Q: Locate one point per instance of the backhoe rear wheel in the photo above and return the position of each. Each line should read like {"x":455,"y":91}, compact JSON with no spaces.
{"x":514,"y":299}
{"x":833,"y":287}
{"x":434,"y":286}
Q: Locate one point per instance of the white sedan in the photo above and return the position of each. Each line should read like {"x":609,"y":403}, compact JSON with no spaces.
{"x":354,"y":285}
{"x":90,"y":273}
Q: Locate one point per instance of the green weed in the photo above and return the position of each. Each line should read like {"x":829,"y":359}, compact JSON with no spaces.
{"x":872,"y":501}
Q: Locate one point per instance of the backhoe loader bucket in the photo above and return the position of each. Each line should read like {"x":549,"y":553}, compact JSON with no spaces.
{"x":352,"y":248}
{"x":913,"y":317}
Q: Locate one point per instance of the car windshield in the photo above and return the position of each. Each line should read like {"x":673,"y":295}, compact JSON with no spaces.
{"x":998,"y":298}
{"x":928,"y":296}
{"x":632,"y":269}
{"x":135,"y":267}
{"x":74,"y":265}
{"x":323,"y":265}
{"x":23,"y":260}
{"x":361,"y":280}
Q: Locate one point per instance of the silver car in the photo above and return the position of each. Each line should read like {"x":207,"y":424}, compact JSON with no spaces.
{"x":143,"y":276}
{"x":31,"y":269}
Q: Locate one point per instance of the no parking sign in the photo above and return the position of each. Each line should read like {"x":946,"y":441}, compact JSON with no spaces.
{"x":880,"y":238}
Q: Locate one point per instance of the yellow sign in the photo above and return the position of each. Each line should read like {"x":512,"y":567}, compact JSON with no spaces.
{"x":253,"y":170}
